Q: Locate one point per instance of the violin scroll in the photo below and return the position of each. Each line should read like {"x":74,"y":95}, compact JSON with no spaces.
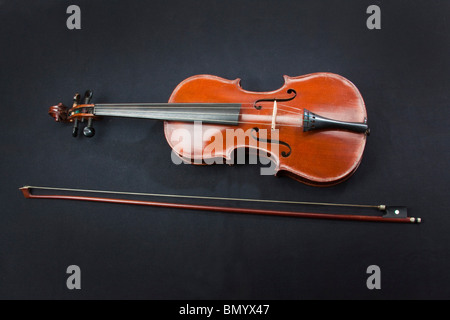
{"x":80,"y":111}
{"x":59,"y":112}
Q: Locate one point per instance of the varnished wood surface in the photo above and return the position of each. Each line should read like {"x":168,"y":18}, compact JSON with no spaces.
{"x":320,"y":158}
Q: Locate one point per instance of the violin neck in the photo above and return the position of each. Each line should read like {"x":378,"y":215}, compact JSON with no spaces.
{"x":216,"y":113}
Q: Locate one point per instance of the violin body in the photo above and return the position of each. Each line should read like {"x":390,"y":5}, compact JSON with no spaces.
{"x":319,"y":158}
{"x":313,"y":128}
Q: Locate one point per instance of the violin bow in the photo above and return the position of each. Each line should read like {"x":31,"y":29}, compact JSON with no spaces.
{"x":396,"y":214}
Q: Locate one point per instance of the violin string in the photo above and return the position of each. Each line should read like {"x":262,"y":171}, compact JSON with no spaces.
{"x":182,"y":111}
{"x":149,"y":108}
{"x":191,"y":104}
{"x":207,"y":197}
{"x":135,"y":112}
{"x":194,"y":106}
{"x":208,"y":121}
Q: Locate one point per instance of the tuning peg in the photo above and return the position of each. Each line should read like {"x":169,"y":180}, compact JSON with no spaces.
{"x":89,"y":131}
{"x":87,"y":96}
{"x":76,"y":99}
{"x":75,"y":128}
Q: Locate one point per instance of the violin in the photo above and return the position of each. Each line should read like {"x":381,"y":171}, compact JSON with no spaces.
{"x":313,"y":129}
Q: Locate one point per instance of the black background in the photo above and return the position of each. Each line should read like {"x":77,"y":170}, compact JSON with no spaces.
{"x":136,"y":51}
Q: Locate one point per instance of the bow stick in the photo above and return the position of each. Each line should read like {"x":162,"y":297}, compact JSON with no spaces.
{"x":391,"y":213}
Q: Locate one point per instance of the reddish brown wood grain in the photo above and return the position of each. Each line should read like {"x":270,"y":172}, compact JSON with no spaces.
{"x":319,"y":158}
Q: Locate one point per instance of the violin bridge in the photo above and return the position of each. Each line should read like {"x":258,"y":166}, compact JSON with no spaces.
{"x":274,"y":114}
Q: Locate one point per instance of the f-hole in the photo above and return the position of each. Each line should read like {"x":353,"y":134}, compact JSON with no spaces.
{"x":289,"y":91}
{"x":283,"y":153}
